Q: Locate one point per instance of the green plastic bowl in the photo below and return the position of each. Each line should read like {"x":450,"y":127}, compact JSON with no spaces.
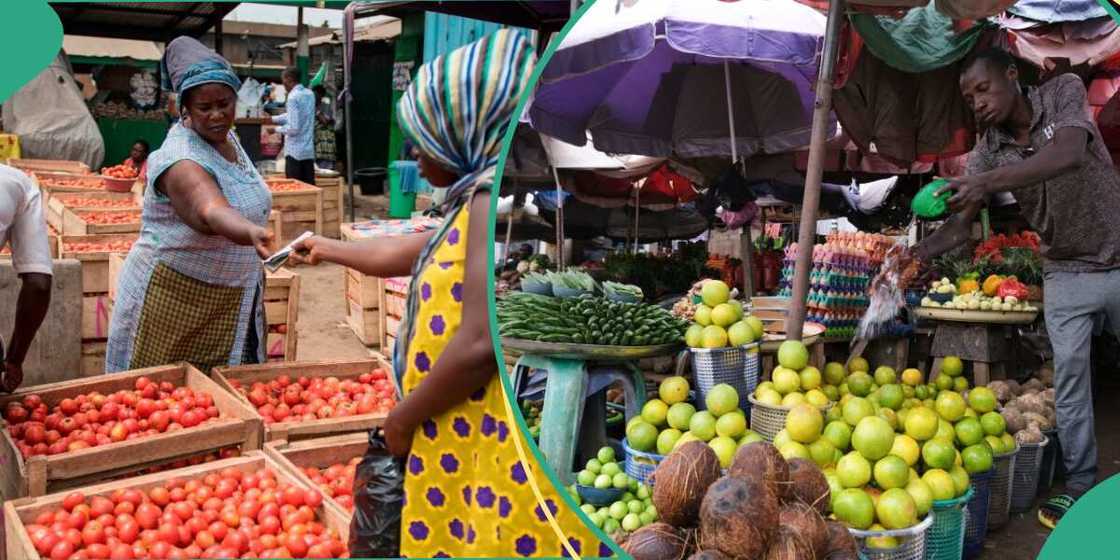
{"x":929,"y":206}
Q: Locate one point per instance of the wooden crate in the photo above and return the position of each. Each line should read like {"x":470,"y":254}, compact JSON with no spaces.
{"x":366,"y":323}
{"x":95,"y":264}
{"x":281,"y":307}
{"x":56,"y":165}
{"x":302,"y":429}
{"x":294,"y":456}
{"x":238,"y":424}
{"x":333,"y":205}
{"x":74,"y":222}
{"x":301,"y":210}
{"x":56,"y":204}
{"x":93,"y":358}
{"x":96,"y":312}
{"x":53,"y":183}
{"x":275,"y":225}
{"x":52,"y":244}
{"x":394,"y":302}
{"x":18,"y":514}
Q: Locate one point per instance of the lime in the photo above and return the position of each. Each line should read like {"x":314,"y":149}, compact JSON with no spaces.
{"x":793,"y":354}
{"x":831,"y":392}
{"x":793,"y":449}
{"x":839,"y":434}
{"x":714,"y":292}
{"x":673,"y":390}
{"x":810,"y":378}
{"x":853,"y":470}
{"x":655,"y":411}
{"x":732,"y":425}
{"x":885,"y":375}
{"x":641,"y":436}
{"x":977,"y":458}
{"x":749,"y":437}
{"x":858,"y":364}
{"x":713,"y":337}
{"x":618,"y":510}
{"x":938,"y":453}
{"x":896,"y":509}
{"x":738,"y":334}
{"x":940,"y":484}
{"x":996,"y":444}
{"x":891,"y":472}
{"x":960,"y":480}
{"x":906,"y":448}
{"x":922,"y":494}
{"x":912,"y":377}
{"x":721,"y":399}
{"x":943,"y":383}
{"x":793,"y":399}
{"x":723,"y":315}
{"x":679,"y":415}
{"x":725,"y":449}
{"x":804,"y":423}
{"x":817,"y":398}
{"x":982,"y":400}
{"x":604,"y":481}
{"x":859,"y":383}
{"x":666,"y":440}
{"x":873,"y":438}
{"x":785,"y":380}
{"x":891,"y":396}
{"x":945,"y":430}
{"x":854,"y":508}
{"x":605,"y":455}
{"x":631,"y":522}
{"x":769,"y":396}
{"x":703,"y":425}
{"x":702,"y":315}
{"x":969,"y":432}
{"x":611,"y":525}
{"x":621,"y":481}
{"x":611,"y":469}
{"x":960,"y":384}
{"x":950,"y":406}
{"x":823,"y":452}
{"x":756,"y":326}
{"x":857,"y":409}
{"x":952,"y":366}
{"x":834,"y":373}
{"x":781,"y":438}
{"x":693,"y":336}
{"x":594,"y":465}
{"x":585,"y":478}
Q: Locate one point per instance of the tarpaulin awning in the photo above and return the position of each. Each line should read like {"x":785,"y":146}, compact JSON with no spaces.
{"x":922,"y":40}
{"x":1053,"y":11}
{"x":1088,"y":42}
{"x":956,"y":9}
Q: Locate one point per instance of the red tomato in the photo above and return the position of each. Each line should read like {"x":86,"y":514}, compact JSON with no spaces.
{"x":62,"y":550}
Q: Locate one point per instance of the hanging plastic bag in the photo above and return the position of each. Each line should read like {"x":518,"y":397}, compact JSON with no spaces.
{"x":375,"y":530}
{"x":249,"y":98}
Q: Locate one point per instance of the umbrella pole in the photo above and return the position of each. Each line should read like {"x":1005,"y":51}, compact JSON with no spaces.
{"x":347,"y":53}
{"x":815,"y":169}
{"x":509,"y":224}
{"x":745,"y":237}
{"x":559,"y":221}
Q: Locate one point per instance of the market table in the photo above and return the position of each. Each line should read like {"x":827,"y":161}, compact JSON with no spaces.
{"x":573,"y":375}
{"x":984,"y":338}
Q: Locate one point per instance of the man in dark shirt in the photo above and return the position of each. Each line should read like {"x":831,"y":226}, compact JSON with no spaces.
{"x":1041,"y":146}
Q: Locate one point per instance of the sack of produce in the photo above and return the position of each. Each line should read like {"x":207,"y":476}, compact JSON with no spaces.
{"x":375,"y":529}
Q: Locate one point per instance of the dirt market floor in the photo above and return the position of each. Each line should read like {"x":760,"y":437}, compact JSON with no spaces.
{"x":324,"y":335}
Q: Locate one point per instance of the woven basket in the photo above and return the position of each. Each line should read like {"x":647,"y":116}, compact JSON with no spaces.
{"x":911,"y":542}
{"x":977,"y":529}
{"x":999,"y":506}
{"x":767,"y":420}
{"x":1024,"y":479}
{"x":640,"y":464}
{"x":737,"y":366}
{"x":945,"y":540}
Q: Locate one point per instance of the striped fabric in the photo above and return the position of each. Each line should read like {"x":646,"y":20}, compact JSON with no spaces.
{"x":455,"y":112}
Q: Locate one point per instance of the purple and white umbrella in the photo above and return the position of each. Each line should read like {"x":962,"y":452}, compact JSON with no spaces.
{"x":684,"y":77}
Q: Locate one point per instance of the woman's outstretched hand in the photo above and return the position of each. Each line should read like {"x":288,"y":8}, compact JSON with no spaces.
{"x":309,"y":251}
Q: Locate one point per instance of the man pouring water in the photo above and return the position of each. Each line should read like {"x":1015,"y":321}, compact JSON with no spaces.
{"x":1041,"y":146}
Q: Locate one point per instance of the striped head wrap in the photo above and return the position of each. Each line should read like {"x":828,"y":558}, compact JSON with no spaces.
{"x":187,"y":63}
{"x":458,"y":106}
{"x":455,"y":112}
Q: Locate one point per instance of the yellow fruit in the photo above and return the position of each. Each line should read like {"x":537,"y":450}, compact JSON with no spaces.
{"x":991,"y":285}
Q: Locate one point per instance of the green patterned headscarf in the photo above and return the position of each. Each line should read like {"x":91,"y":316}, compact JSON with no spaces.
{"x":455,"y":111}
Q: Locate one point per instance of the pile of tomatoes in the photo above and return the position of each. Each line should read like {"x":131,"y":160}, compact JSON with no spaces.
{"x":280,"y":185}
{"x":286,"y":400}
{"x":71,"y":182}
{"x":337,"y":481}
{"x":225,"y":514}
{"x":112,"y":217}
{"x":86,"y":202}
{"x":121,"y":171}
{"x":102,"y":247}
{"x":94,"y":419}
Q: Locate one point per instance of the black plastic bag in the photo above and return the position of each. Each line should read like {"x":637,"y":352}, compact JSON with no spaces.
{"x":375,"y":529}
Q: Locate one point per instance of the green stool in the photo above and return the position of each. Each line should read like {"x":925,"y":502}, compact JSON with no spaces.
{"x":570,"y":420}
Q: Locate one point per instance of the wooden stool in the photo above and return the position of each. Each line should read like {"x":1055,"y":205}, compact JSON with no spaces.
{"x":985,"y":346}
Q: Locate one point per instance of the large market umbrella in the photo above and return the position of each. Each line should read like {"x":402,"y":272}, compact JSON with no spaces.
{"x":684,"y":77}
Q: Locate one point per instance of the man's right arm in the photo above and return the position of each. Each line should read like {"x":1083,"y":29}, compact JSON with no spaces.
{"x":958,"y":228}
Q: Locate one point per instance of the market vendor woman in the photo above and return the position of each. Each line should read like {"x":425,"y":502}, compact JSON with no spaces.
{"x":190,"y":289}
{"x":468,"y":491}
{"x":1041,"y":146}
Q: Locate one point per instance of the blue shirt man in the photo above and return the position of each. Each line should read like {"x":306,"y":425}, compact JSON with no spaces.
{"x":298,"y":128}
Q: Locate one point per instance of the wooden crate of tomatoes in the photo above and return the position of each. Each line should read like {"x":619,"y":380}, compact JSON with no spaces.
{"x":299,"y":400}
{"x":99,"y":222}
{"x":54,"y":183}
{"x":87,"y":202}
{"x":87,"y":430}
{"x":49,"y":165}
{"x":281,"y":311}
{"x":327,"y":463}
{"x":300,"y":206}
{"x":243,"y":507}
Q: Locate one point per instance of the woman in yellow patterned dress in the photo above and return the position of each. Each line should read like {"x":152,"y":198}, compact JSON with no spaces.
{"x":468,"y":490}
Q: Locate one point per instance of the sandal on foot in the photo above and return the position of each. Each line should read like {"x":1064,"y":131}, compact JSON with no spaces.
{"x":1051,"y":512}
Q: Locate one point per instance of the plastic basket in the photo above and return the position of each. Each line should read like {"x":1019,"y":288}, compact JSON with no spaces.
{"x":1024,"y":479}
{"x":639,"y":464}
{"x":977,"y":528}
{"x":999,"y":505}
{"x":945,"y":539}
{"x":767,"y":420}
{"x":911,"y":542}
{"x":1051,"y":459}
{"x":737,"y":366}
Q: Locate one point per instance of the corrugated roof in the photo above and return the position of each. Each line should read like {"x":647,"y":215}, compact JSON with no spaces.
{"x":149,"y":21}
{"x":78,"y":45}
{"x":258,"y":29}
{"x":381,"y":28}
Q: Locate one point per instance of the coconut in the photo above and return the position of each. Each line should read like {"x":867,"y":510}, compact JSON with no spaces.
{"x":789,"y":545}
{"x":657,"y":541}
{"x":1001,"y":390}
{"x":840,"y":541}
{"x":1029,"y":435}
{"x":1033,"y":385}
{"x":808,"y":485}
{"x":1016,"y":389}
{"x":805,"y":521}
{"x":681,"y":481}
{"x":739,"y":517}
{"x":1014,"y":418}
{"x":1041,"y":420}
{"x":710,"y":554}
{"x":762,"y":461}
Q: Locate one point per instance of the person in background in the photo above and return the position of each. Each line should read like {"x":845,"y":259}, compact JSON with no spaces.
{"x":1041,"y":146}
{"x":470,"y":483}
{"x":298,"y":127}
{"x":138,"y":155}
{"x":23,"y":227}
{"x":324,"y":129}
{"x":191,"y":287}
